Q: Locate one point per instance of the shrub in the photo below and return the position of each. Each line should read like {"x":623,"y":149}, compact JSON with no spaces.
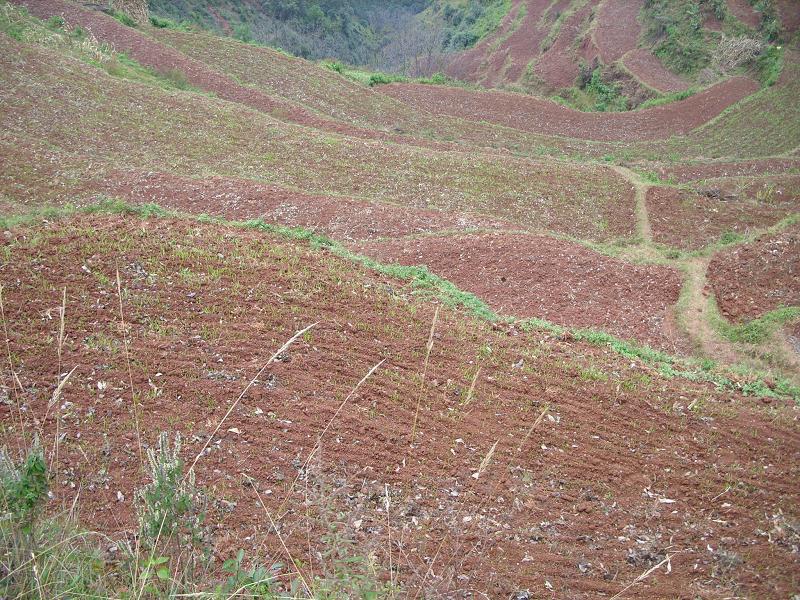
{"x":170,"y":508}
{"x":123,"y":18}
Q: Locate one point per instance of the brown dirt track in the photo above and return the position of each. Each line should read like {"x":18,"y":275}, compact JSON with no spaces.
{"x":716,"y":486}
{"x":756,"y":278}
{"x":687,"y":220}
{"x":544,"y":117}
{"x":535,"y":276}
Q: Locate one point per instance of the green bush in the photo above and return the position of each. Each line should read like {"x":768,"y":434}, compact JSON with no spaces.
{"x":123,"y":18}
{"x":770,"y":65}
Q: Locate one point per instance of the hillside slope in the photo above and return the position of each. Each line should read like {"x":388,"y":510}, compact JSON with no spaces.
{"x":581,"y":325}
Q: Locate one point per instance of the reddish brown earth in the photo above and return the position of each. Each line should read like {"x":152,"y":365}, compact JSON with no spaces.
{"x":341,"y":217}
{"x":617,"y":29}
{"x":558,"y":66}
{"x":649,"y":70}
{"x":789,"y":13}
{"x":742,"y":10}
{"x":686,"y":173}
{"x":162,"y":58}
{"x":617,"y":476}
{"x":756,"y":278}
{"x":683,"y":219}
{"x":541,"y":116}
{"x":484,"y":64}
{"x":536,"y":276}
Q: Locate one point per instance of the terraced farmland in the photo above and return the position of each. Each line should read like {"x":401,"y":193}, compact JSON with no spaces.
{"x":417,"y":340}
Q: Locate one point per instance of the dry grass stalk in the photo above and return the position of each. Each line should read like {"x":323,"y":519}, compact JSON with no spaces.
{"x":667,"y":561}
{"x":471,"y":391}
{"x":485,"y":462}
{"x":428,"y":348}
{"x":274,"y":526}
{"x":130,"y":371}
{"x":252,"y":382}
{"x":318,"y":443}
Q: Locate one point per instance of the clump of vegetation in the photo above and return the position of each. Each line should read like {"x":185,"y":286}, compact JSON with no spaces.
{"x":165,"y":23}
{"x":676,"y":29}
{"x":123,"y":18}
{"x":467,"y":23}
{"x":592,"y":92}
{"x":769,"y":65}
{"x":373,"y":78}
{"x":667,"y":98}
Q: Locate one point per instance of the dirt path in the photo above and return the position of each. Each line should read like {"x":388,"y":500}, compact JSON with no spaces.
{"x":695,"y":315}
{"x":642,"y":216}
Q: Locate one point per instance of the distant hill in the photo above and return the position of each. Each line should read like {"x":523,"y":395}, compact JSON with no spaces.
{"x":377,"y":33}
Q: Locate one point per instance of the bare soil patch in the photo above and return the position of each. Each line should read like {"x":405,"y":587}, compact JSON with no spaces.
{"x":535,"y":276}
{"x":541,"y":116}
{"x":743,"y":11}
{"x":558,"y":65}
{"x":341,"y":217}
{"x":689,"y":220}
{"x":618,"y":475}
{"x":649,"y":70}
{"x":617,"y":28}
{"x":753,"y":279}
{"x":789,"y":15}
{"x":686,"y":173}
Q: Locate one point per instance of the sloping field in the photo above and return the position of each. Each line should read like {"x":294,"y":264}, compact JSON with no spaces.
{"x":343,"y":218}
{"x":550,"y":512}
{"x":690,"y":220}
{"x":94,"y":122}
{"x":756,"y":278}
{"x":617,"y":32}
{"x":648,"y":69}
{"x":764,"y":124}
{"x":545,"y":117}
{"x":536,"y":276}
{"x":711,"y":170}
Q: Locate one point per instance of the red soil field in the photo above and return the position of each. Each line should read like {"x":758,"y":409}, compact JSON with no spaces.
{"x":482,"y":63}
{"x":649,"y":70}
{"x":162,"y":58}
{"x":742,"y":10}
{"x":688,"y":220}
{"x":686,"y":173}
{"x":616,"y":477}
{"x":558,"y":66}
{"x":535,"y":276}
{"x":756,"y":278}
{"x":789,"y":14}
{"x":343,"y":218}
{"x":617,"y":29}
{"x":541,"y":116}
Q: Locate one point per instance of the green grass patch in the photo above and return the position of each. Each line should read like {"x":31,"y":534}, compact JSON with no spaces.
{"x":758,"y":330}
{"x":769,"y":65}
{"x":668,"y":98}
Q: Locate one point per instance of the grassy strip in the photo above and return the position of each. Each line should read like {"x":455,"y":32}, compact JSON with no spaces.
{"x":373,"y":78}
{"x":758,"y":330}
{"x":430,"y":285}
{"x":668,"y":98}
